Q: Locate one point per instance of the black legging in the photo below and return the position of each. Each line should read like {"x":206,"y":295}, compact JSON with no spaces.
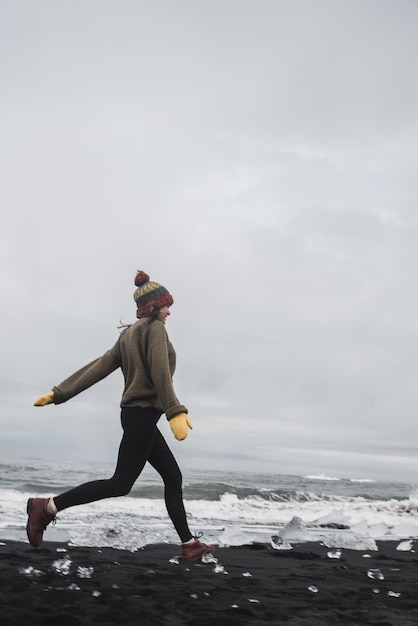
{"x":141,"y":442}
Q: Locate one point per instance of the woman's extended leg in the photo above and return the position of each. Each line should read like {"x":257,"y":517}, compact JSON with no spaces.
{"x":139,"y":430}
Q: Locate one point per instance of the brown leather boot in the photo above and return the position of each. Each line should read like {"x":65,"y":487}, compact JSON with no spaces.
{"x":195,"y":549}
{"x":38,"y":520}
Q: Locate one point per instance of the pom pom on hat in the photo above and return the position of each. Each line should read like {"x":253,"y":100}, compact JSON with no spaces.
{"x":149,"y":295}
{"x":141,"y":278}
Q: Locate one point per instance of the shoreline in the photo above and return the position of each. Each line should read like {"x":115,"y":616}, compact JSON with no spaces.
{"x":253,"y":584}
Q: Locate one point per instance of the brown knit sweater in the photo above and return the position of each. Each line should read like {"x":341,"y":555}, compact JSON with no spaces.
{"x":147,"y":359}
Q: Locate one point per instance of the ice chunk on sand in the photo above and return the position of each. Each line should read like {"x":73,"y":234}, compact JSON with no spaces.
{"x":405,"y":546}
{"x":62,"y":566}
{"x":278,"y":544}
{"x":335,"y":518}
{"x":233,"y":536}
{"x":361,"y":528}
{"x":374,"y":530}
{"x":294,"y":531}
{"x":405,"y":529}
{"x":350,"y":542}
{"x":378,"y":530}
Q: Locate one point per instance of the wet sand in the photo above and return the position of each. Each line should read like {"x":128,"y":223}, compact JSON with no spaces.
{"x":63,"y":585}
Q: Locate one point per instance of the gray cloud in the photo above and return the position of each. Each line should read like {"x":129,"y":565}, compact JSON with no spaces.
{"x":258,"y":159}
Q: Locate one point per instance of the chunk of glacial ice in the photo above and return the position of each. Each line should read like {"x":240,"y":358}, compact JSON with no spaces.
{"x":233,"y":536}
{"x":375,"y":574}
{"x":335,"y":517}
{"x":374,"y":530}
{"x":278,"y":544}
{"x":62,"y":566}
{"x":85,"y":572}
{"x":349,"y":542}
{"x":405,"y":546}
{"x":405,"y":529}
{"x":334,"y":554}
{"x":294,"y":531}
{"x":361,"y":528}
{"x":208,"y":558}
{"x":378,"y":530}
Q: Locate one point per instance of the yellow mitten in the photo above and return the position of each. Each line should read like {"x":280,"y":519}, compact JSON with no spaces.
{"x":179,"y":424}
{"x":48,"y":398}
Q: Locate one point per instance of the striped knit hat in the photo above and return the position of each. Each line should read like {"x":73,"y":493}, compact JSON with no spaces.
{"x":149,"y":295}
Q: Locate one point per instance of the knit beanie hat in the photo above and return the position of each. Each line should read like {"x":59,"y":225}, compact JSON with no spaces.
{"x":149,"y":295}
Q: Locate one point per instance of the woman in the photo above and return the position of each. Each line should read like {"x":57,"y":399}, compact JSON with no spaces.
{"x":147,"y":359}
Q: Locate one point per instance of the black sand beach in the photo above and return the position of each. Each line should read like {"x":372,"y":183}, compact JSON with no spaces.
{"x":245,"y":585}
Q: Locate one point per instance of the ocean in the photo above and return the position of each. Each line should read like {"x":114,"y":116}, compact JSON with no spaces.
{"x":229,"y":508}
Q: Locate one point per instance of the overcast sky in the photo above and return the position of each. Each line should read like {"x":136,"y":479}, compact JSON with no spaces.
{"x":259,"y":159}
